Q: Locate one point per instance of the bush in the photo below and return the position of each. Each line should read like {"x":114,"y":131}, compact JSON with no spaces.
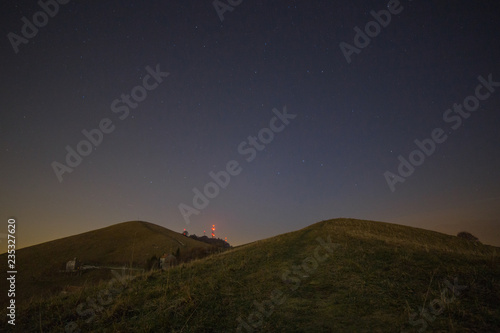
{"x":152,"y":263}
{"x":467,"y":236}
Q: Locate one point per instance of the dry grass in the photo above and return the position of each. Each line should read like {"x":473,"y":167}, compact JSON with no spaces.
{"x":376,"y":277}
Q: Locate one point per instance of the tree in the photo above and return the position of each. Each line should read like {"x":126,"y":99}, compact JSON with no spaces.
{"x":467,"y":236}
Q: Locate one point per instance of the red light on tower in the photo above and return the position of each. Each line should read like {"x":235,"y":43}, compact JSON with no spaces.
{"x":213,"y":231}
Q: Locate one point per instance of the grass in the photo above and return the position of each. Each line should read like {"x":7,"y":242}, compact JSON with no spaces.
{"x":377,"y":275}
{"x":124,"y":244}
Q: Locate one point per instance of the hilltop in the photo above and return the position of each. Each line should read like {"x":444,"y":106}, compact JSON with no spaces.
{"x":340,"y":275}
{"x":128,"y":244}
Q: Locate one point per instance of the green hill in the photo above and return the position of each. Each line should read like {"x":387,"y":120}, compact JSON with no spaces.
{"x":340,"y":275}
{"x":125,"y":244}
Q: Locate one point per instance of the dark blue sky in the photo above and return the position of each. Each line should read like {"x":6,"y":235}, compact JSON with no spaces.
{"x":353,"y":120}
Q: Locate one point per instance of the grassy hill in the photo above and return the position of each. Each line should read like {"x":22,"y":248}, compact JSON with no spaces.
{"x":340,"y":275}
{"x":129,"y":243}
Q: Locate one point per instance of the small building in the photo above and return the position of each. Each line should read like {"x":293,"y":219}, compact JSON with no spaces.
{"x":167,"y":261}
{"x":73,"y":265}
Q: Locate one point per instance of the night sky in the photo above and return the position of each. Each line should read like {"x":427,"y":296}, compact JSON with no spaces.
{"x":305,"y":114}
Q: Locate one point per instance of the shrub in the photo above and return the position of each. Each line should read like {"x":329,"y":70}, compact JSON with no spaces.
{"x":152,"y":263}
{"x":467,"y":236}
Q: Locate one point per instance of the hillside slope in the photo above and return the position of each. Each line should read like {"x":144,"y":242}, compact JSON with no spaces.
{"x":339,"y":275}
{"x":121,"y":244}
